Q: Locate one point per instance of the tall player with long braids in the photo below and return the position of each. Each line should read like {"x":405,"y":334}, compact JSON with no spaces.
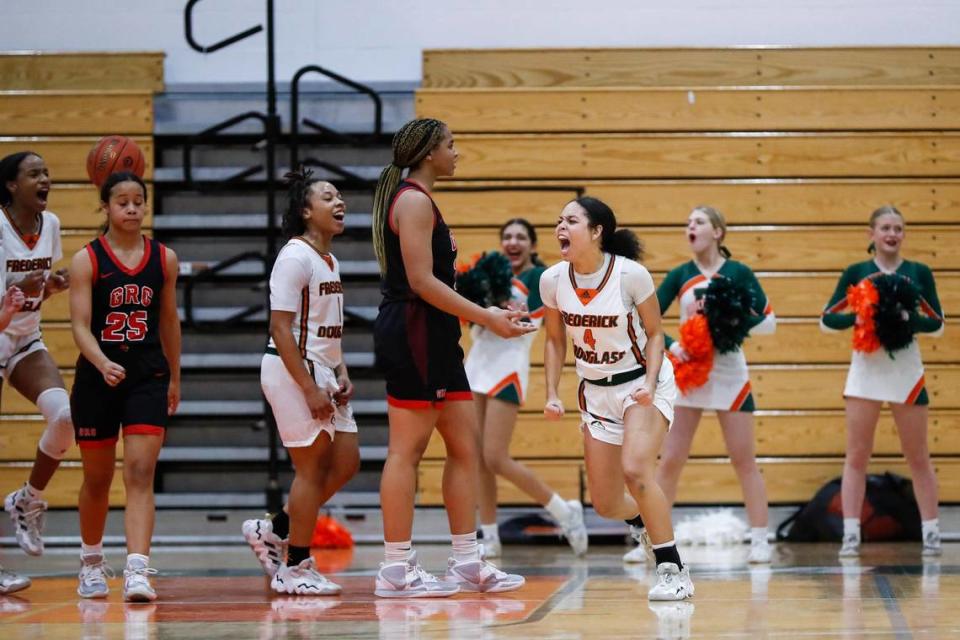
{"x":305,"y":380}
{"x":123,"y":309}
{"x":31,"y":245}
{"x":606,"y":302}
{"x":416,"y":341}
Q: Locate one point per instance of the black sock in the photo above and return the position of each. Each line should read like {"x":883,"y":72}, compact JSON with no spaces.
{"x":281,"y":524}
{"x":635,"y":522}
{"x":296,"y":555}
{"x":664,"y":554}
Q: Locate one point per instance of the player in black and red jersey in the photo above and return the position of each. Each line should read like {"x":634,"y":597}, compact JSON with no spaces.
{"x":124,"y":316}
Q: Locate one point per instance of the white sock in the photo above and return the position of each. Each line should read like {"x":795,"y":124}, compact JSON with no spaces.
{"x":930,"y":526}
{"x":397,"y":551}
{"x":851,"y":527}
{"x":558,"y":508}
{"x":87,"y":550}
{"x":490,"y":532}
{"x":465,"y":547}
{"x":137,"y":561}
{"x":758,"y":535}
{"x":32,"y":492}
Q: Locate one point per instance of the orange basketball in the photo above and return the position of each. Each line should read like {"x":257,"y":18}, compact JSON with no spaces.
{"x":113,"y":154}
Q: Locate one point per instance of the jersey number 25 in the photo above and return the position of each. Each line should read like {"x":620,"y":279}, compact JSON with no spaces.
{"x":120,"y":326}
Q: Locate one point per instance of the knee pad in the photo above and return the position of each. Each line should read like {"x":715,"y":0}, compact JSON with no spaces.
{"x":57,"y":438}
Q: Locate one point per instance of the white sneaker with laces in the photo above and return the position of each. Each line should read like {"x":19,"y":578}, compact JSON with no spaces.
{"x":761,"y":552}
{"x":136,"y":584}
{"x":643,"y":552}
{"x":269,"y":548}
{"x":11,"y":582}
{"x":491,"y":548}
{"x":28,"y":517}
{"x":93,"y":577}
{"x":481,"y":576}
{"x":303,"y":579}
{"x":574,"y":529}
{"x":850,"y":547}
{"x":931,"y":544}
{"x":672,"y":583}
{"x":408,"y":580}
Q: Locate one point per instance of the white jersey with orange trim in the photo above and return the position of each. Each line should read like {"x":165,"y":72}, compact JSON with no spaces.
{"x":607,"y":334}
{"x":307,"y":283}
{"x":24,"y":255}
{"x":500,"y":367}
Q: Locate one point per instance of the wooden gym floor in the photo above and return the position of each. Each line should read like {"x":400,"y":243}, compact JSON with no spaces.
{"x":218,"y":593}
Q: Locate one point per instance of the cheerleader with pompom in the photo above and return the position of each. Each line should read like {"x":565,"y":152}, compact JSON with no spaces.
{"x":721,"y":303}
{"x":887,"y":300}
{"x":498,"y":370}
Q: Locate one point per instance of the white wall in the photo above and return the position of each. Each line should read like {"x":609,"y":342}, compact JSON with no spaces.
{"x":375,"y":40}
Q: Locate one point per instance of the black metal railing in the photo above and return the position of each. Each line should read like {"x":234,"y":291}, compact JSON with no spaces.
{"x":226,"y":42}
{"x":270,"y":122}
{"x":372,"y":138}
{"x":212,"y":274}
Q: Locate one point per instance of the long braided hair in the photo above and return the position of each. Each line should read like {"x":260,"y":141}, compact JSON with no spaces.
{"x":411,"y":144}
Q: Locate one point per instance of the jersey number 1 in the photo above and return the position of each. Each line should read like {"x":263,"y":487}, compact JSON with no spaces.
{"x":119,"y":326}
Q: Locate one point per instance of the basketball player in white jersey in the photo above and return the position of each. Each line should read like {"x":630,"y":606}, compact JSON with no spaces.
{"x":606,"y":303}
{"x":31,"y":246}
{"x":12,"y":302}
{"x":305,"y":381}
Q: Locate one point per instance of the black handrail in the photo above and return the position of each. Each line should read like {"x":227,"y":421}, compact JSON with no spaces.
{"x":340,"y":171}
{"x":295,"y":110}
{"x":210,"y":134}
{"x":271,"y":130}
{"x":190,"y":282}
{"x":188,"y":32}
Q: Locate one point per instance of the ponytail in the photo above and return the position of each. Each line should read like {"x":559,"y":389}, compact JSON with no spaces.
{"x":411,"y":144}
{"x":623,"y":242}
{"x":386,"y":186}
{"x":619,"y":242}
{"x":724,"y":251}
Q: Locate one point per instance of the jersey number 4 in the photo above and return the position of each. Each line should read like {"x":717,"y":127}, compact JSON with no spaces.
{"x":589,"y":339}
{"x":119,"y":326}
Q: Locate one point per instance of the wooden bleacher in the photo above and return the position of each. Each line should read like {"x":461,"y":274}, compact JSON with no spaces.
{"x":796,"y":146}
{"x":59,"y":105}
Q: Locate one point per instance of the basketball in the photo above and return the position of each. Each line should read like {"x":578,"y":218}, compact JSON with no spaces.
{"x":113,"y":154}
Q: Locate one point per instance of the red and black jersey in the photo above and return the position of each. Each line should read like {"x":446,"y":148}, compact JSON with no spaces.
{"x":125,"y":302}
{"x":394,"y":285}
